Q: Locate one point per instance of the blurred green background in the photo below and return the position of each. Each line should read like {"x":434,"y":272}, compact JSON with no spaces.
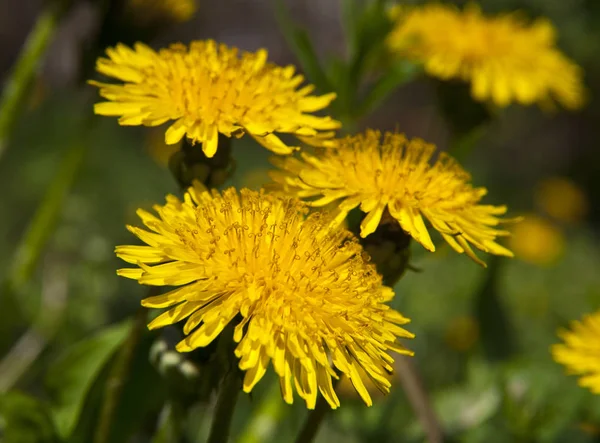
{"x":482,"y":336}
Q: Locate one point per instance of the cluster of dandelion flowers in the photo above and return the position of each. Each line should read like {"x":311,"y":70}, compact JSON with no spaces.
{"x":580,"y":352}
{"x":504,"y":58}
{"x":308,"y":300}
{"x":392,"y":178}
{"x":210,"y":89}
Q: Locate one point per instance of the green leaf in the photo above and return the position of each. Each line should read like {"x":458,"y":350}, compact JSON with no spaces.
{"x":300,"y":43}
{"x":144,"y":394}
{"x":368,"y":44}
{"x":25,"y":419}
{"x":397,"y":75}
{"x":352,"y":10}
{"x":71,"y":376}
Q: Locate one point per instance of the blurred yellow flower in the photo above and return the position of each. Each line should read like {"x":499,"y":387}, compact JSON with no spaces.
{"x":307,"y":299}
{"x":503,"y":57}
{"x":562,"y":199}
{"x":462,"y":333}
{"x":580,"y":352}
{"x":173,"y":10}
{"x":208,"y":89}
{"x":536,"y":240}
{"x":392,"y":179}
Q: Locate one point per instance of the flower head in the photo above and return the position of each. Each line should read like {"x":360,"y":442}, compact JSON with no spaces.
{"x":562,"y":199}
{"x":157,"y":10}
{"x":208,"y":89}
{"x":537,"y":240}
{"x":503,"y":57}
{"x":307,"y":299}
{"x":392,"y":178}
{"x":580,"y":352}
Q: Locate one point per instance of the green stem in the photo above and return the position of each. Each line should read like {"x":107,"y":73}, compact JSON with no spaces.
{"x":418,"y":399}
{"x":30,"y":345}
{"x":313,"y":422}
{"x":19,"y":80}
{"x":389,"y":247}
{"x":462,"y":146}
{"x":46,"y":217}
{"x":40,"y":229}
{"x":228,"y":394}
{"x":263,"y":422}
{"x":118,"y":377}
{"x":172,"y":428}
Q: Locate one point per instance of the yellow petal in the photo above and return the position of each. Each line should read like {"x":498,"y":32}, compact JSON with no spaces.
{"x":132,"y":273}
{"x":174,"y":315}
{"x":371,"y":221}
{"x":254,"y":374}
{"x":209,"y":147}
{"x":175,"y":132}
{"x":274,"y":143}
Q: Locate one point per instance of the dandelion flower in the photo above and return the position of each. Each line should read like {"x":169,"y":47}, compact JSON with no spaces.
{"x":504,"y":58}
{"x":208,"y":89}
{"x":538,"y":241}
{"x":300,"y":295}
{"x":172,"y":10}
{"x":580,"y":352}
{"x":562,"y":199}
{"x":392,"y":179}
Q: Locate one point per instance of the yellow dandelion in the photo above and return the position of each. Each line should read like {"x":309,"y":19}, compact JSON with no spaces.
{"x":580,"y":352}
{"x":562,"y":199}
{"x":392,"y":179}
{"x":208,"y":89}
{"x":503,"y":57}
{"x":153,"y":10}
{"x":300,"y":295}
{"x":462,"y":333}
{"x":537,"y":241}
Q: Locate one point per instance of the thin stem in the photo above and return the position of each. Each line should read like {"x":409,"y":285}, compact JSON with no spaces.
{"x":462,"y":147}
{"x":264,"y":421}
{"x":38,"y":233}
{"x":52,"y":306}
{"x":19,"y":80}
{"x":313,"y":422}
{"x":117,"y":378}
{"x":418,"y":398}
{"x":416,"y":394}
{"x":46,"y":217}
{"x":228,"y":395}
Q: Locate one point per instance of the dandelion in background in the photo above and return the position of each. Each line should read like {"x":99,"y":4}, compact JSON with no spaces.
{"x":393,"y":180}
{"x":208,"y":89}
{"x":537,"y":240}
{"x":504,"y":58}
{"x":562,"y":199}
{"x":149,"y":11}
{"x":580,"y":353}
{"x":300,"y":295}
